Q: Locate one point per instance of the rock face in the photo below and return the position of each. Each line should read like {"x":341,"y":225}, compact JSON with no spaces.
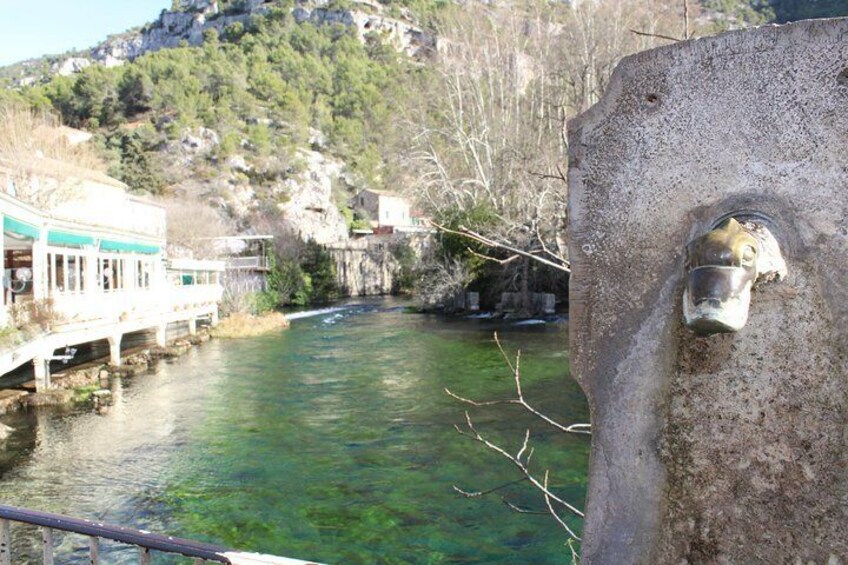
{"x":730,"y":448}
{"x":172,"y":28}
{"x":365,"y":267}
{"x":168,"y":31}
{"x":405,"y":36}
{"x":310,"y":212}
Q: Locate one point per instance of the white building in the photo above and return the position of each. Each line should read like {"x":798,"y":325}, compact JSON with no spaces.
{"x":388,"y":211}
{"x":86,"y":259}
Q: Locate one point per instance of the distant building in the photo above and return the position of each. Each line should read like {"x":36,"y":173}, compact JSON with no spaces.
{"x":389,"y":212}
{"x":246,"y":260}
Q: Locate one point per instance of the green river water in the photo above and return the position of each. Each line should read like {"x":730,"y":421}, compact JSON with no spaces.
{"x":331,"y":441}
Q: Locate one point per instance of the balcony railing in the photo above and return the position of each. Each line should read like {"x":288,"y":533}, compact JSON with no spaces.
{"x":145,"y":542}
{"x":257,"y":262}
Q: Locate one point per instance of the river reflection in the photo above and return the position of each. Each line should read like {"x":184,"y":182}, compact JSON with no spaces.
{"x":331,"y":441}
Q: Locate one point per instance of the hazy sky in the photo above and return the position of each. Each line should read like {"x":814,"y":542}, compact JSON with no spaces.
{"x":45,"y":27}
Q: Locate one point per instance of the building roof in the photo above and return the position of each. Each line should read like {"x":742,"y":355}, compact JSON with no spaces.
{"x":381,"y":192}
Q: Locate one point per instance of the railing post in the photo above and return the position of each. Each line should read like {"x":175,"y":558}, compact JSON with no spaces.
{"x":5,"y":543}
{"x":47,"y":541}
{"x":93,"y":551}
{"x":144,"y":554}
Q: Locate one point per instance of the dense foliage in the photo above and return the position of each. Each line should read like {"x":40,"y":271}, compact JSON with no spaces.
{"x":261,"y":87}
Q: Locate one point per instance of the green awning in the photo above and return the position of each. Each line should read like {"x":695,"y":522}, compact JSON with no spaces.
{"x":65,"y":238}
{"x":128,"y":247}
{"x":18,"y":227}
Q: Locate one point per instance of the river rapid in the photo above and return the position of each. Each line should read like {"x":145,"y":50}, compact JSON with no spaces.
{"x":331,"y":441}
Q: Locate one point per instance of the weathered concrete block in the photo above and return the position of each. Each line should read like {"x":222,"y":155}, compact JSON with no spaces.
{"x":731,"y":448}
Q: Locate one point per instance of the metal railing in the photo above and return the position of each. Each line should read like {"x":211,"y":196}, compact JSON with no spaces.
{"x":144,"y":541}
{"x":255,"y":262}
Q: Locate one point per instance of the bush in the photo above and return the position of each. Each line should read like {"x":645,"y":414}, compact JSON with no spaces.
{"x":289,"y":282}
{"x":321,"y":269}
{"x":263,"y":302}
{"x":404,"y":279}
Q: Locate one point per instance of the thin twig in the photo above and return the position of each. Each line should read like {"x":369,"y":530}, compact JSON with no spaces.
{"x":575,"y":559}
{"x":509,"y":259}
{"x":523,"y":510}
{"x":485,"y":403}
{"x":562,"y":523}
{"x":475,"y":435}
{"x":476,"y":494}
{"x":465,"y":232}
{"x":655,"y":35}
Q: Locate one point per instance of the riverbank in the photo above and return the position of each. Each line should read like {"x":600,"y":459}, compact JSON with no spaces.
{"x":90,"y":382}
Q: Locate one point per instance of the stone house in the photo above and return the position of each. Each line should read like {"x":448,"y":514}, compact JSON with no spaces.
{"x":387,"y":211}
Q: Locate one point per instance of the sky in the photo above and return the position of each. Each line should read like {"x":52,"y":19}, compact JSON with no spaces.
{"x":46,"y":27}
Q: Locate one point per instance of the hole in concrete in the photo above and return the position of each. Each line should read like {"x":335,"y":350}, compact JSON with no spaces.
{"x":842,"y":77}
{"x":652,"y":99}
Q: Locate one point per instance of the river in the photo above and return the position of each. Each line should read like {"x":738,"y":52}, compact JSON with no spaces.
{"x":331,"y":441}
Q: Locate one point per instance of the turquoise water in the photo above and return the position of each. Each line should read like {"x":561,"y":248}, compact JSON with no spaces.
{"x":331,"y":441}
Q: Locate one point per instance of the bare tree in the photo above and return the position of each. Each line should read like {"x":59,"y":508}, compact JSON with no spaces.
{"x":491,"y":135}
{"x":440,"y":280}
{"x":191,"y":225}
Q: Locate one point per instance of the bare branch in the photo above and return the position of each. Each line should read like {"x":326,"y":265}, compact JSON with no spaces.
{"x":553,"y":512}
{"x":520,"y":510}
{"x":575,"y":559}
{"x":465,"y":232}
{"x":503,"y":353}
{"x":476,"y":403}
{"x":477,"y":494}
{"x":506,"y":261}
{"x":655,"y":35}
{"x":475,"y":435}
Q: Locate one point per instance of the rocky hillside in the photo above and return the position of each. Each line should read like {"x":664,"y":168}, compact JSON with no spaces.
{"x":195,"y":18}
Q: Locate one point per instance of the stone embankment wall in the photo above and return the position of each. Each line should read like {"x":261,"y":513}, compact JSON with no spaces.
{"x":365,"y":267}
{"x":730,"y":448}
{"x":371,"y":266}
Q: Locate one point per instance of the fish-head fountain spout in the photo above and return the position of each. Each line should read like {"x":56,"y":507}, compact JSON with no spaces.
{"x":722,"y":268}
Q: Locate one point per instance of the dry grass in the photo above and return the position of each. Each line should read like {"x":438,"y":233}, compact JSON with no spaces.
{"x":246,"y":325}
{"x":26,"y":134}
{"x":33,"y":143}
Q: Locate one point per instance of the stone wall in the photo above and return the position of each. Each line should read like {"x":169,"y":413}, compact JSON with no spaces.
{"x":729,"y":448}
{"x":365,"y":267}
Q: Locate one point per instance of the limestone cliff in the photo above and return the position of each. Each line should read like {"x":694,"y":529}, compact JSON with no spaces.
{"x":310,"y":211}
{"x":188,"y":25}
{"x":365,"y":267}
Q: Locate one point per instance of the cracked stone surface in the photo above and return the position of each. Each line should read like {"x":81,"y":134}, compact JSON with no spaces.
{"x":731,"y":448}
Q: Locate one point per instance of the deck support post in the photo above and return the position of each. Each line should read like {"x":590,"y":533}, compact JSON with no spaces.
{"x":41,"y":371}
{"x":3,"y":316}
{"x":5,"y":543}
{"x":162,"y":335}
{"x":192,"y":326}
{"x":115,"y":349}
{"x":40,"y":284}
{"x":214,"y":318}
{"x":47,"y":542}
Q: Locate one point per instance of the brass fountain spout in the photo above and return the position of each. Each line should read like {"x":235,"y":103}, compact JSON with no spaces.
{"x":722,"y":267}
